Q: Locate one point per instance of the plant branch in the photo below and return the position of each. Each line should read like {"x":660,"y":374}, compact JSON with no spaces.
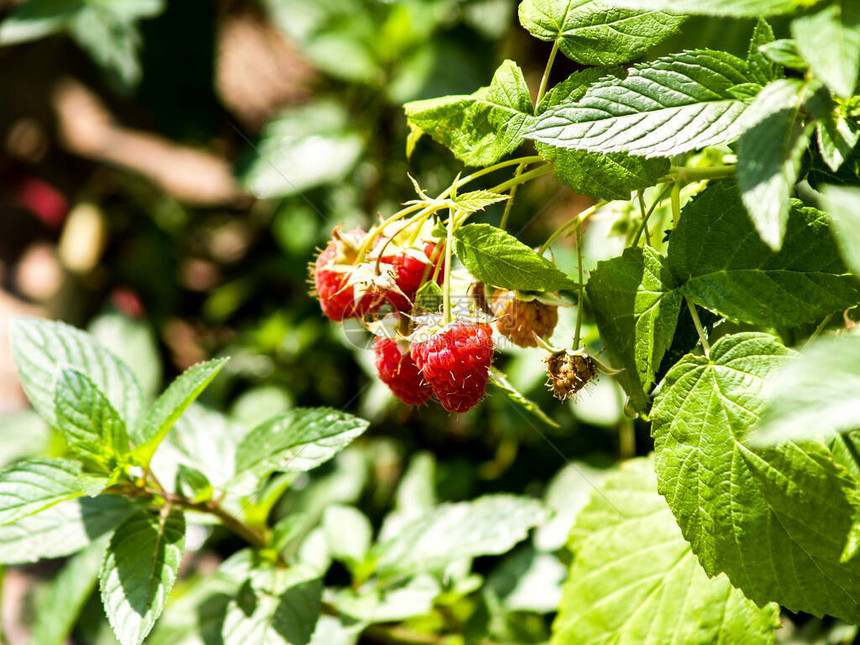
{"x":576,"y":221}
{"x":523,"y":178}
{"x":576,"y":335}
{"x":651,"y":210}
{"x":545,"y":78}
{"x":504,"y":221}
{"x":700,"y":330}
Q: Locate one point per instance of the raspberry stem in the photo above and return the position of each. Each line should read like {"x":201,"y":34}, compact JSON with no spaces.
{"x":446,"y":289}
{"x":576,"y":221}
{"x":545,"y":78}
{"x":706,"y":346}
{"x":576,"y":334}
{"x":504,"y":221}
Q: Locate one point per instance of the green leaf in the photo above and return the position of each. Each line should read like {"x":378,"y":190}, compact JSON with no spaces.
{"x":784,"y":52}
{"x":429,"y":298}
{"x":636,"y":305}
{"x":489,"y":525}
{"x":107,"y":31}
{"x":204,"y":440}
{"x":303,"y":148}
{"x":734,"y":8}
{"x":88,"y":421}
{"x":62,"y":529}
{"x":165,"y":412}
{"x":829,"y":40}
{"x":134,"y":342}
{"x":814,"y":397}
{"x":498,"y":258}
{"x":478,"y":128}
{"x":837,"y":136}
{"x":635,"y":580}
{"x":769,"y":153}
{"x":666,"y":107}
{"x":756,"y":515}
{"x":297,"y":441}
{"x":593,"y":32}
{"x":60,"y":601}
{"x":725,"y":267}
{"x":139,"y":570}
{"x":498,"y":379}
{"x":843,"y":206}
{"x":274,"y":607}
{"x":348,"y":533}
{"x":32,"y":486}
{"x":603,"y":176}
{"x":193,"y":484}
{"x":41,"y":349}
{"x":477,"y":200}
{"x":762,"y":70}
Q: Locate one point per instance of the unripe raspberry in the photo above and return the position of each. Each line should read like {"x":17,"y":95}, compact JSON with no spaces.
{"x":399,"y":372}
{"x":569,"y":372}
{"x":455,"y":361}
{"x":520,"y":320}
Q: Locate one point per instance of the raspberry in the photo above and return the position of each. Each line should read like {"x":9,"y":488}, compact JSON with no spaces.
{"x":519,"y":320}
{"x":410,"y":268}
{"x":569,"y":372}
{"x":456,"y":363}
{"x":399,"y":372}
{"x":331,"y":272}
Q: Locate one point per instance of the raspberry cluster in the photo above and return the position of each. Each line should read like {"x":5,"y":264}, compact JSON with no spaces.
{"x":355,"y":276}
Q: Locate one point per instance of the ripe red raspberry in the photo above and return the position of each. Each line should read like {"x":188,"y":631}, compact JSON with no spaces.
{"x":331,"y":272}
{"x":399,"y":372}
{"x":410,"y":268}
{"x":456,"y":363}
{"x":519,"y":320}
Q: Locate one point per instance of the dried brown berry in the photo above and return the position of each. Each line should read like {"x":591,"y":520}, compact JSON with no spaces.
{"x":569,"y":372}
{"x":520,"y":320}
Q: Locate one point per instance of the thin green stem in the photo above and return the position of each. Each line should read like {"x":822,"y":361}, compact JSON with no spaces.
{"x":821,"y":326}
{"x":446,"y":289}
{"x":545,"y":78}
{"x":688,"y":175}
{"x":676,"y":202}
{"x":706,"y":346}
{"x":576,"y":335}
{"x":644,"y":225}
{"x":504,"y":222}
{"x":576,"y":221}
{"x":523,"y":178}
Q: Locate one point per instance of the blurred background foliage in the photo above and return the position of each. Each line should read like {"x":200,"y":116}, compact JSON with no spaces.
{"x":166,"y":173}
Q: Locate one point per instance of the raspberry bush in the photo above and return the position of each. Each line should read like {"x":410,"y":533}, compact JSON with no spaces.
{"x":730,"y":186}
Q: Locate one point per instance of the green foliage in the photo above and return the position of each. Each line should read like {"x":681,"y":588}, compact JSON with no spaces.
{"x":636,"y":304}
{"x":843,"y":205}
{"x":106,"y":30}
{"x":303,"y":148}
{"x":769,"y":152}
{"x":139,"y":570}
{"x":815,"y":396}
{"x":662,"y":108}
{"x":754,"y":515}
{"x":499,"y":259}
{"x":724,"y":266}
{"x":296,"y":441}
{"x":634,"y":577}
{"x":34,"y":485}
{"x":592,"y":32}
{"x":478,"y":128}
{"x":735,"y":8}
{"x":452,"y":532}
{"x":829,"y":40}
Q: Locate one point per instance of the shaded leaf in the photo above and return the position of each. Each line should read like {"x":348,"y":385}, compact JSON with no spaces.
{"x":843,"y":206}
{"x":829,"y":40}
{"x":139,"y":570}
{"x":498,"y":258}
{"x":636,"y":306}
{"x":725,"y":267}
